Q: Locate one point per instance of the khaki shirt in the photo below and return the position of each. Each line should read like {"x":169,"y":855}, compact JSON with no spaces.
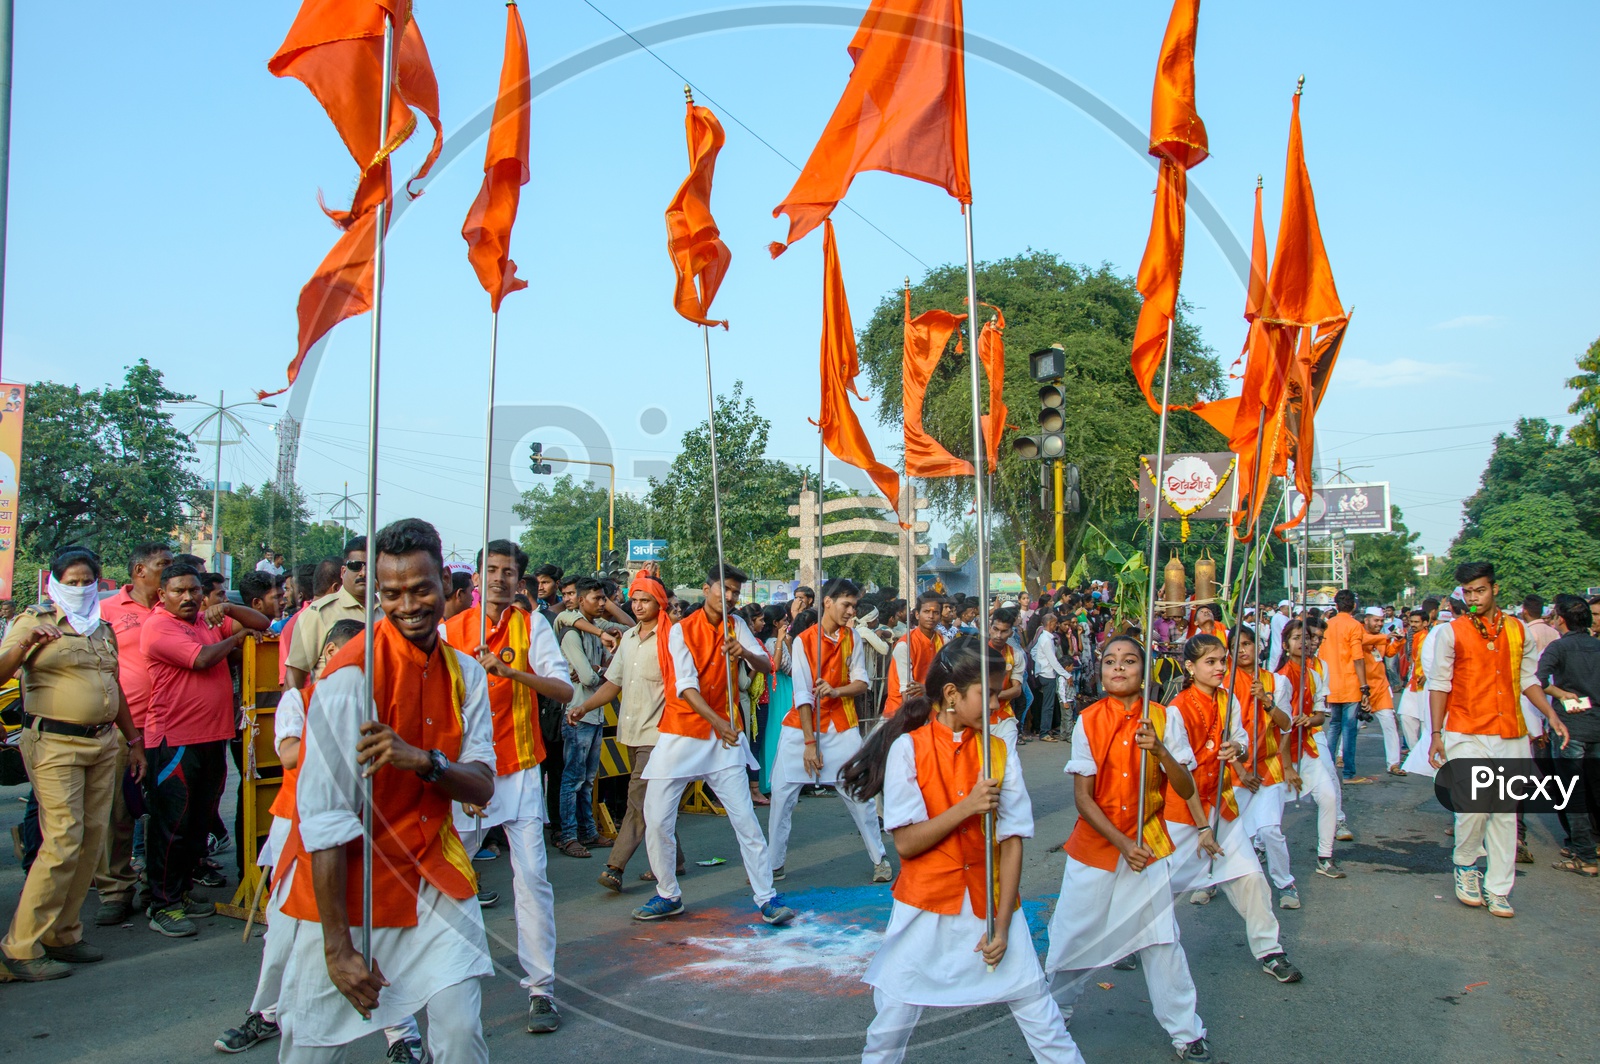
{"x":72,"y":679}
{"x":311,"y":627}
{"x":637,"y":670}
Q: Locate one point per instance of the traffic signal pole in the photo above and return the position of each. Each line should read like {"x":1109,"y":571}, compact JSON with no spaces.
{"x":1058,"y":571}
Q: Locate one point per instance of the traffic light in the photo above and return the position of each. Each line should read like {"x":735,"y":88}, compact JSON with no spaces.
{"x":535,"y":454}
{"x":1071,"y":501}
{"x":613,"y":560}
{"x":1050,"y":443}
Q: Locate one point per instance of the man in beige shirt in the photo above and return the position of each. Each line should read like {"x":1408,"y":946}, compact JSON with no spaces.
{"x":74,"y":709}
{"x":312,"y":624}
{"x":635,"y":674}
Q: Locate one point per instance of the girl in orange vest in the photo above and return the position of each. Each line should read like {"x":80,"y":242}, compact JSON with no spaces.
{"x":926,"y":761}
{"x":1302,"y":693}
{"x":1212,"y":719}
{"x":1263,"y":775}
{"x":1116,"y":892}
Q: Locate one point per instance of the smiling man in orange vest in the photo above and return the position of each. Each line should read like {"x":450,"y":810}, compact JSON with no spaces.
{"x":1481,"y":663}
{"x":909,"y":661}
{"x":522,"y":659}
{"x":432,"y":745}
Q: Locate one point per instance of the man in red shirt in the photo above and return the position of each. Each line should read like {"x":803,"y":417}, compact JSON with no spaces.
{"x":1345,"y":658}
{"x":126,"y":612}
{"x":188,"y":723}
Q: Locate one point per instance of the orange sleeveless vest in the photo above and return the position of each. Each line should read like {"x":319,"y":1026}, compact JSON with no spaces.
{"x":413,"y":835}
{"x":837,"y":714}
{"x":518,"y":740}
{"x":1257,"y":720}
{"x":921,"y":650}
{"x":1302,"y":701}
{"x":1202,"y":719}
{"x":704,"y":641}
{"x":1110,"y":728}
{"x":1485,"y":685}
{"x":935,"y":880}
{"x":1003,"y":711}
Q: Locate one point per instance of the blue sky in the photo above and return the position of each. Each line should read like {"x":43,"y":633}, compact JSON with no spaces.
{"x":163,"y":205}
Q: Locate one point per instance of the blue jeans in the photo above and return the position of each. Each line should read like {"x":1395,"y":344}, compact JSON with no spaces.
{"x":1343,"y":717}
{"x":580,"y":745}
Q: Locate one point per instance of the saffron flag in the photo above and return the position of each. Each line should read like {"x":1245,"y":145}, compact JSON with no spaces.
{"x":926,"y":337}
{"x":1178,"y":139}
{"x":698,"y":254}
{"x":992,"y":353}
{"x":335,"y":48}
{"x":904,"y":111}
{"x":487,"y":230}
{"x":841,"y":429}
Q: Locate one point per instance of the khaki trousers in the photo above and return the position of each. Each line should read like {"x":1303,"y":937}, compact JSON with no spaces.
{"x":115,"y":880}
{"x":73,"y":780}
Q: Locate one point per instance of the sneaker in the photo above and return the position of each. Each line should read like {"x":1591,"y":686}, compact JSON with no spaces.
{"x":1261,"y":855}
{"x":1197,"y":1052}
{"x":1499,"y":905}
{"x":1203,"y":896}
{"x":776,"y":913}
{"x":1326,"y":867}
{"x":216,"y":844}
{"x":542,"y":1015}
{"x":198,"y":908}
{"x":1130,"y":963}
{"x":209,"y":874}
{"x":172,"y":923}
{"x":611,"y":879}
{"x":1289,"y":898}
{"x":37,"y":970}
{"x":882,"y":872}
{"x":658,"y":908}
{"x":1278,"y":966}
{"x":1343,"y":833}
{"x":485,"y":854}
{"x":488,"y":899}
{"x":408,"y":1051}
{"x":114,"y":913}
{"x":1469,"y":886}
{"x":79,"y":952}
{"x":779,"y":874}
{"x":255,"y":1029}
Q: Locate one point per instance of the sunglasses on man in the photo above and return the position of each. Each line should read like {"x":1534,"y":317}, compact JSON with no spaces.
{"x":355,"y":566}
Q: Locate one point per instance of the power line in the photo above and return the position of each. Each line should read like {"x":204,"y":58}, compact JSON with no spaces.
{"x":736,"y":121}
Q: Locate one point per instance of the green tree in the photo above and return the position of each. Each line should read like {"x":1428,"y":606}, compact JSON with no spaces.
{"x":1586,"y":433}
{"x":1537,"y":547}
{"x":254,"y":516}
{"x":1534,"y":460}
{"x":1092,"y":314}
{"x":1381,"y":566}
{"x":104,"y":467}
{"x":561,"y":518}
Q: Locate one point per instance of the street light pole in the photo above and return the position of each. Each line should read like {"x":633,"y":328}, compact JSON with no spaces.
{"x":216,"y":495}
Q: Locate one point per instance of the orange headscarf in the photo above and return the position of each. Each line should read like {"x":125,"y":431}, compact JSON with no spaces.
{"x":643,"y":581}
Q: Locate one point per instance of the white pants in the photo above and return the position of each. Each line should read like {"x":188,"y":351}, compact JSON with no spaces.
{"x":1413,"y":731}
{"x":1391,"y":736}
{"x":732,"y":788}
{"x":1277,"y":849}
{"x":1318,"y":783}
{"x":1038,"y":1018}
{"x":1491,"y":834}
{"x":455,"y":1031}
{"x":534,"y":898}
{"x":786,"y":795}
{"x":1252,"y":899}
{"x":1166,"y":976}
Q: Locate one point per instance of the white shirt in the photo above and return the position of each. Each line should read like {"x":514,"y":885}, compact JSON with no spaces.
{"x":1046,"y":665}
{"x":688,"y":678}
{"x":801,"y":671}
{"x":1275,"y":647}
{"x":1176,"y":740}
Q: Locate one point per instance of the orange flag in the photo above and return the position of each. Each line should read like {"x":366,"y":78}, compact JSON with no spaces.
{"x":992,"y":353}
{"x":841,"y":429}
{"x":335,"y":48}
{"x":505,"y":170}
{"x":926,"y":337}
{"x":695,"y":243}
{"x":1178,"y":139}
{"x":904,"y":111}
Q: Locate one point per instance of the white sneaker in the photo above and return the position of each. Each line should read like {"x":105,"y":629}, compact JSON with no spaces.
{"x":882,"y":873}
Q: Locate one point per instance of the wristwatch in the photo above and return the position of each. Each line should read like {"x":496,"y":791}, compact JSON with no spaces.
{"x":437,"y":763}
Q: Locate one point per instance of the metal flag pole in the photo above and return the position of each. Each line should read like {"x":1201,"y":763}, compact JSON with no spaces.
{"x":716,"y":514}
{"x":369,"y":707}
{"x":982,"y":525}
{"x":816,"y":662}
{"x":1153,"y":563}
{"x":488,"y":476}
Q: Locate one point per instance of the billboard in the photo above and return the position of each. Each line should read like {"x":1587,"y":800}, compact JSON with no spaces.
{"x":12,"y":399}
{"x":646,"y":550}
{"x":1194,"y":487}
{"x":1348,"y":508}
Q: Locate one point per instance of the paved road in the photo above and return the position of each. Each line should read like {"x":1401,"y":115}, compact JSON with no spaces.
{"x":1388,"y":955}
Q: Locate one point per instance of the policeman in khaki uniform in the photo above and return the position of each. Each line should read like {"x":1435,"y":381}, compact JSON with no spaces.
{"x":73,"y":710}
{"x":312,"y":625}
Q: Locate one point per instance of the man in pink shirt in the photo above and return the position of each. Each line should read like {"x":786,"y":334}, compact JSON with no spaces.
{"x":188,"y":723}
{"x":125,"y":612}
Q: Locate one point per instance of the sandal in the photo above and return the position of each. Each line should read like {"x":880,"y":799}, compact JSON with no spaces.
{"x":1577,"y":867}
{"x":757,"y":798}
{"x":574,"y":848}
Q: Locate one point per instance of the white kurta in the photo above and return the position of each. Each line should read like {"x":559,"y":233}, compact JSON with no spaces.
{"x":448,"y":944}
{"x":836,"y":747}
{"x":1192,"y":871}
{"x":1104,"y":916}
{"x":288,"y":722}
{"x":684,"y":756}
{"x":927,"y":958}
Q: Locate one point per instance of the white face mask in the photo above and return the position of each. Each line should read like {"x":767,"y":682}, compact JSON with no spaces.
{"x":80,"y":604}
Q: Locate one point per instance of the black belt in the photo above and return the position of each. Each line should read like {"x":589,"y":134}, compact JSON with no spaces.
{"x":61,"y":727}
